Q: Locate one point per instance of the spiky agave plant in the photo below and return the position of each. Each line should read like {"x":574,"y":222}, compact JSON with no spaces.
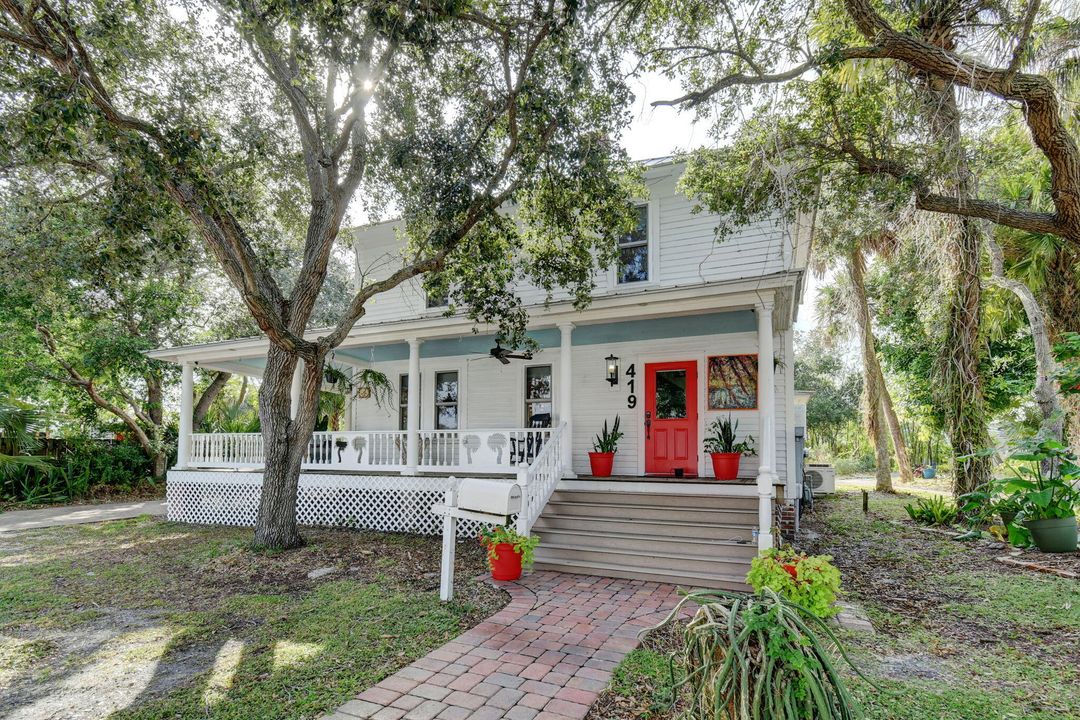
{"x":760,"y":657}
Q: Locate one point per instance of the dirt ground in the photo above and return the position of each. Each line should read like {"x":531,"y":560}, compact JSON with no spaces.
{"x":147,"y":619}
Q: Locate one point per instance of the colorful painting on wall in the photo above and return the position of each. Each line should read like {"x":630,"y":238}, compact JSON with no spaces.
{"x":733,"y":382}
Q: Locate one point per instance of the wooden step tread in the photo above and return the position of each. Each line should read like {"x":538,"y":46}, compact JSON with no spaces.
{"x":619,"y":535}
{"x":646,"y":506}
{"x":710,"y":581}
{"x":679,"y":557}
{"x":663,"y":523}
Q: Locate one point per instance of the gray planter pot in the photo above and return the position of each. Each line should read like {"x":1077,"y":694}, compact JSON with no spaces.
{"x":1053,"y":535}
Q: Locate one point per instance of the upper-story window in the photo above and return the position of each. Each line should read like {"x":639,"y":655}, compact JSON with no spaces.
{"x":634,"y":250}
{"x":437,"y":301}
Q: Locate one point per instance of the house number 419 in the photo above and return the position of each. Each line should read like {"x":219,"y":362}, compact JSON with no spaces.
{"x":631,"y":399}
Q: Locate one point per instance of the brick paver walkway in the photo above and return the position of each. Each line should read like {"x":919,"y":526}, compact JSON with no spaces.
{"x":545,"y":656}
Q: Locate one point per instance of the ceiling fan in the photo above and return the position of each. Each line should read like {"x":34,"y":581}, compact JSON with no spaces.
{"x":505,"y":355}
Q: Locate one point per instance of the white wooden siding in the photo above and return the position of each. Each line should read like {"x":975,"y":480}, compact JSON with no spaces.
{"x":684,"y":251}
{"x":492,"y":396}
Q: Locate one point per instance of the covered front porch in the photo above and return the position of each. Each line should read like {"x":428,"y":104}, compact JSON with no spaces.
{"x":458,"y":410}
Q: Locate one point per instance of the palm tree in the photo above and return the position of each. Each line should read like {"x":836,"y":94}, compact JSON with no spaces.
{"x":844,"y":310}
{"x":18,"y":423}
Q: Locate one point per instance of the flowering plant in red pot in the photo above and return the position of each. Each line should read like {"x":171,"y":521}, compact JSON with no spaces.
{"x":508,"y":551}
{"x":724,"y":450}
{"x":604,"y":447}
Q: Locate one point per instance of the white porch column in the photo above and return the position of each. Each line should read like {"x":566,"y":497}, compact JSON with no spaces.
{"x":412,"y":439}
{"x":767,"y":429}
{"x":187,"y":403}
{"x":566,"y":398}
{"x":294,"y":390}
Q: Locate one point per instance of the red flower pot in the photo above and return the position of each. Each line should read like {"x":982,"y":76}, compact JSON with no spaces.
{"x":505,"y":563}
{"x":601,"y":463}
{"x":725,"y":466}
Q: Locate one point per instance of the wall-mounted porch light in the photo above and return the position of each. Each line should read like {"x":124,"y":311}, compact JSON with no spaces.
{"x":612,"y":369}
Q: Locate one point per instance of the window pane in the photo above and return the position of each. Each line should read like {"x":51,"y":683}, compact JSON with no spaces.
{"x":670,"y":394}
{"x":446,"y":417}
{"x":538,"y":383}
{"x":403,"y":418}
{"x":437,"y":301}
{"x":446,"y":387}
{"x":634,"y":264}
{"x":403,"y":392}
{"x":539,"y":414}
{"x":640,"y":233}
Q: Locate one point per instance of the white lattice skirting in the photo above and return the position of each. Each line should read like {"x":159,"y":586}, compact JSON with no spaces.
{"x":372,"y":502}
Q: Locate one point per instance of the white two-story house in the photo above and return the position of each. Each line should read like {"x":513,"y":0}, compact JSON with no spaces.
{"x":682,"y":331}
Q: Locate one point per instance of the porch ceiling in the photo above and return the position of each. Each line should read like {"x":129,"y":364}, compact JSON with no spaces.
{"x":657,"y":314}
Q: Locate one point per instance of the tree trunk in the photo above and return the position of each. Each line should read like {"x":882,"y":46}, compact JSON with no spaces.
{"x":962,"y":383}
{"x":208,"y":396}
{"x":873,"y":384}
{"x":1046,"y":385}
{"x":159,"y":464}
{"x":285,"y":442}
{"x":903,"y":460}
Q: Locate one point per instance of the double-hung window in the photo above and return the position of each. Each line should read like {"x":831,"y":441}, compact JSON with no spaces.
{"x":446,"y":400}
{"x":634,"y":250}
{"x":538,"y":396}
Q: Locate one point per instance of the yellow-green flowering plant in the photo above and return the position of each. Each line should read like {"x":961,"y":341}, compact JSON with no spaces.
{"x":810,"y":581}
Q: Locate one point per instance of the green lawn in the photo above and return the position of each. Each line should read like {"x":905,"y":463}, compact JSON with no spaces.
{"x":960,"y":637}
{"x":147,"y":619}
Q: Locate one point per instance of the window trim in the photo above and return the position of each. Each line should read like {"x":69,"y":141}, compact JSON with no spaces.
{"x":551,"y":389}
{"x":652,"y":244}
{"x":435,"y":399}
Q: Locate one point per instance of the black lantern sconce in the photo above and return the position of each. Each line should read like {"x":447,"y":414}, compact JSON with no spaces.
{"x":612,"y":369}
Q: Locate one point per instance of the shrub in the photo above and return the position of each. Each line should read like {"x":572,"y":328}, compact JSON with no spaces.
{"x":935,"y":511}
{"x":82,"y":465}
{"x":760,"y":656}
{"x":810,"y":581}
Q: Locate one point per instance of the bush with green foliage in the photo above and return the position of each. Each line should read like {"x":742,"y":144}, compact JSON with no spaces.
{"x":750,"y":657}
{"x":810,"y":581}
{"x":83,"y":465}
{"x":936,"y":510}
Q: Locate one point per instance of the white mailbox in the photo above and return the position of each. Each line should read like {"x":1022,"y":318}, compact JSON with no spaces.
{"x":493,"y":497}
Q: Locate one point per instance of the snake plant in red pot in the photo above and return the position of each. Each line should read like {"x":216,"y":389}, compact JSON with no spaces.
{"x":603,"y":456}
{"x":724,"y":450}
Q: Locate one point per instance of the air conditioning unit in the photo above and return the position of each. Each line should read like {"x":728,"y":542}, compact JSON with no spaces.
{"x":821,"y":478}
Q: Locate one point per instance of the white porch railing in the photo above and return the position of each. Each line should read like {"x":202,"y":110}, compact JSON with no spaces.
{"x":458,"y":451}
{"x":539,"y":479}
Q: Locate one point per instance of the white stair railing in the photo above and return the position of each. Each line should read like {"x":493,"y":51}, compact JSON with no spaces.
{"x":539,"y":479}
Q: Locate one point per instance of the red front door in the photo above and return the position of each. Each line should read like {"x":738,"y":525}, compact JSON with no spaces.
{"x":671,"y":418}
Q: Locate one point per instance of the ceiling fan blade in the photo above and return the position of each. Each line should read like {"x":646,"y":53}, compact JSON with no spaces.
{"x":502,"y":359}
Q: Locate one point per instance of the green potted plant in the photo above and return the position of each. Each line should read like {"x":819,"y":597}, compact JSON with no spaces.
{"x":810,"y":581}
{"x":725,"y":452}
{"x":508,"y":551}
{"x":1045,"y":489}
{"x":603,"y":455}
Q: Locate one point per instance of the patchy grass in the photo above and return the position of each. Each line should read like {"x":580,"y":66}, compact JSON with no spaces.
{"x":959,"y":637}
{"x":148,"y":619}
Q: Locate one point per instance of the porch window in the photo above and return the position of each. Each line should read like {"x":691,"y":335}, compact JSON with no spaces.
{"x":446,"y":400}
{"x":538,"y":396}
{"x":403,"y":401}
{"x":634,"y":250}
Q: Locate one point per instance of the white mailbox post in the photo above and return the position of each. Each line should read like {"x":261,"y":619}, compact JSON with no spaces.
{"x":486,"y":501}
